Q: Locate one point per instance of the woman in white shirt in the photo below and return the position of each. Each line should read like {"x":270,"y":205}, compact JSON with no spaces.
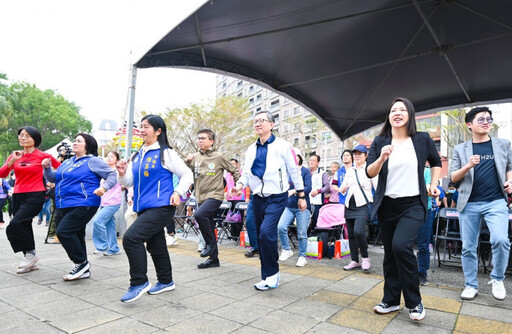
{"x":359,"y":195}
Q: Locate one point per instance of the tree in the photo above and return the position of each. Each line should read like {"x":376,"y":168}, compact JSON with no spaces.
{"x":228,"y":117}
{"x":54,"y":116}
{"x":307,"y":128}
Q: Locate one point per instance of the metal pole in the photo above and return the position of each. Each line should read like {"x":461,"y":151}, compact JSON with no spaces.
{"x":131,"y":108}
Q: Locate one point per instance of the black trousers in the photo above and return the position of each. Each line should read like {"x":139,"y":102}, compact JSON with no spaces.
{"x":356,"y":229}
{"x":204,"y":217}
{"x":2,"y":204}
{"x":400,"y":220}
{"x":71,"y":230}
{"x":149,"y":228}
{"x":19,"y":231}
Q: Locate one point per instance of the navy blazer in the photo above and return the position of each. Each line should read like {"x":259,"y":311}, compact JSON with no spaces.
{"x":425,"y":151}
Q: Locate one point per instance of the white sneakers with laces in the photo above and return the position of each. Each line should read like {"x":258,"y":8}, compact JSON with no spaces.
{"x":469,"y":293}
{"x":498,"y":289}
{"x":285,"y":254}
{"x":301,"y":262}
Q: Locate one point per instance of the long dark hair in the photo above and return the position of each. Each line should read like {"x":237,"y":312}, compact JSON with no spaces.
{"x":156,"y":123}
{"x":411,"y":123}
{"x":91,"y":145}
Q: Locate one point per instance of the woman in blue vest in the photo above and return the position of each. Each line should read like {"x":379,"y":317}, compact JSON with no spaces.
{"x":154,"y":199}
{"x":77,"y":197}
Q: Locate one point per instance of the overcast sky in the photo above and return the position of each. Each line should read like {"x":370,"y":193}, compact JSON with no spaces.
{"x":84,"y":49}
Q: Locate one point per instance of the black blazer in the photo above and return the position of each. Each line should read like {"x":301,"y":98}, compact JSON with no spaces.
{"x":425,"y":151}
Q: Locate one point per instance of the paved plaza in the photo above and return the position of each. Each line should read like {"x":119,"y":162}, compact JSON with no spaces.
{"x":318,"y":298}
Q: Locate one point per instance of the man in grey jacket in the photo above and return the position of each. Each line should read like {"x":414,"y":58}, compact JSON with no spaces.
{"x":483,"y":165}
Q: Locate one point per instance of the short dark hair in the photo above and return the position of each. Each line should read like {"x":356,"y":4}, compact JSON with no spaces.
{"x":350,"y":152}
{"x":317,"y":157}
{"x":34,"y":133}
{"x":91,"y":145}
{"x":209,"y":133}
{"x":115,"y":153}
{"x":470,"y":116}
{"x":411,"y":123}
{"x":233,"y":159}
{"x":300,"y":159}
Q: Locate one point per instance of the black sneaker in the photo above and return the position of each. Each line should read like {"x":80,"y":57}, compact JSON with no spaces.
{"x":384,"y":308}
{"x":78,"y":270}
{"x":417,"y":313}
{"x":423,"y":279}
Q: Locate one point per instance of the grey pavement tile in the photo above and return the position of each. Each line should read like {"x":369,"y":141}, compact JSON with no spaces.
{"x":243,"y":312}
{"x":103,"y":297}
{"x":304,"y":286}
{"x":285,"y":277}
{"x":84,"y":319}
{"x":144,"y":303}
{"x":12,"y":279}
{"x":4,"y":307}
{"x":208,"y":284}
{"x":433,"y":319}
{"x":489,"y":300}
{"x":354,"y":284}
{"x":486,"y":312}
{"x":81,"y":287}
{"x":36,"y":298}
{"x":281,"y":322}
{"x":328,"y":328}
{"x":45,"y":275}
{"x":236,"y":276}
{"x":249,"y":330}
{"x":53,"y":310}
{"x":238,"y":291}
{"x":20,"y":322}
{"x":12,"y":292}
{"x":204,"y":324}
{"x":165,"y":315}
{"x":313,"y":309}
{"x":441,"y":292}
{"x":206,"y":301}
{"x":124,"y":325}
{"x":416,"y":327}
{"x":273,"y":298}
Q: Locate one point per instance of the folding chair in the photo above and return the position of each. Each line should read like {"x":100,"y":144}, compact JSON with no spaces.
{"x":449,"y":236}
{"x":189,"y":221}
{"x":226,"y":225}
{"x":180,"y":217}
{"x":221,"y":215}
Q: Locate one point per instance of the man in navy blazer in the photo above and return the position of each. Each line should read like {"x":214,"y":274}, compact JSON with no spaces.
{"x":483,"y":165}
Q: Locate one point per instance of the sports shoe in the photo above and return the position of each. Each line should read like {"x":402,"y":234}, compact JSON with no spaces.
{"x":98,"y":252}
{"x":26,"y":270}
{"x":417,"y":313}
{"x":498,"y":289}
{"x":271,"y":282}
{"x":171,"y":240}
{"x":28,"y":261}
{"x":53,"y":240}
{"x":262,"y":286}
{"x":134,"y":292}
{"x":469,"y":293}
{"x":384,"y":308}
{"x":301,"y":262}
{"x":110,"y":253}
{"x":39,"y":221}
{"x":161,"y":287}
{"x":285,"y":254}
{"x":423,"y":279}
{"x":87,"y":274}
{"x":365,"y":266}
{"x":352,"y":266}
{"x":77,"y":271}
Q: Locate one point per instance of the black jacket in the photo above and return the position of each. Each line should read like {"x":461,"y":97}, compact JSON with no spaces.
{"x":425,"y":151}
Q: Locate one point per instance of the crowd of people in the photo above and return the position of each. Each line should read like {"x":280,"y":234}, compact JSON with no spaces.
{"x":395,"y":181}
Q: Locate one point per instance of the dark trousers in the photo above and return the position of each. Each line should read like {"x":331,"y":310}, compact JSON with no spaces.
{"x":400,"y":220}
{"x":356,"y":229}
{"x":2,"y":204}
{"x":204,"y":217}
{"x":149,"y":228}
{"x":423,"y":240}
{"x":71,"y":230}
{"x":19,"y":231}
{"x":267,"y":212}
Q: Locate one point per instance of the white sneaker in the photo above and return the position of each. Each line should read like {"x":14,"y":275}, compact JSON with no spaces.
{"x":262,"y":286}
{"x":28,"y":261}
{"x":285,"y":254}
{"x":301,"y":262}
{"x":469,"y":293}
{"x":171,"y":240}
{"x":28,"y":269}
{"x":273,"y":281}
{"x":498,"y":289}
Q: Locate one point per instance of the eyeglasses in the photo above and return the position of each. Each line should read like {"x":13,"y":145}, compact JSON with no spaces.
{"x":260,"y":121}
{"x":203,"y":138}
{"x":25,"y":136}
{"x":481,"y":120}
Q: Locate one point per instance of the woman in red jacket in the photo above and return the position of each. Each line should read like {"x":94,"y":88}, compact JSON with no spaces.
{"x":28,"y":196}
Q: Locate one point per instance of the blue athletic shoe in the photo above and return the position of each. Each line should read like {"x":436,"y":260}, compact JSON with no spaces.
{"x":161,"y":287}
{"x":134,"y":292}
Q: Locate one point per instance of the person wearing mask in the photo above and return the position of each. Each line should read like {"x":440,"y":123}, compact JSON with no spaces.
{"x":104,"y":234}
{"x":77,"y":196}
{"x":291,"y":213}
{"x":401,"y":202}
{"x":209,"y":166}
{"x":28,"y":196}
{"x":150,"y":172}
{"x":268,"y":163}
{"x":358,"y":189}
{"x":483,"y":166}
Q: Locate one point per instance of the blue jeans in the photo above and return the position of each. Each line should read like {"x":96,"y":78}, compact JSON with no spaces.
{"x":45,"y":210}
{"x":289,"y":214}
{"x":495,"y":214}
{"x":104,"y":233}
{"x":423,"y":241}
{"x":251,"y":226}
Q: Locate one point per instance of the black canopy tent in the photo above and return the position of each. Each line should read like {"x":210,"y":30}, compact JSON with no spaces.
{"x":345,"y":60}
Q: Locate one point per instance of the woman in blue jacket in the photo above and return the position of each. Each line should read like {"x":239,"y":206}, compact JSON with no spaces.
{"x":77,"y":197}
{"x":154,"y":199}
